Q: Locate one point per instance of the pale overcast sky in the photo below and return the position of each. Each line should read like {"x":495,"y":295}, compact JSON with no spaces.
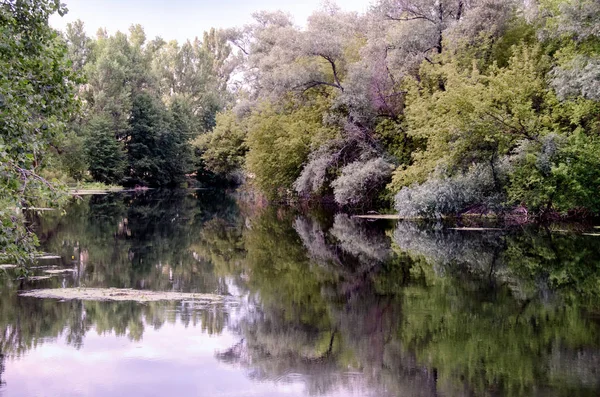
{"x":184,"y":19}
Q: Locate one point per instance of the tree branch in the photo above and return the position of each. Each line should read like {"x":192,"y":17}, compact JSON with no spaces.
{"x":338,"y":84}
{"x":407,"y":18}
{"x":315,"y":83}
{"x":28,"y":174}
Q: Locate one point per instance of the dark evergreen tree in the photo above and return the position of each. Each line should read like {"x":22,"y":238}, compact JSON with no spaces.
{"x":145,"y":161}
{"x":176,"y":148}
{"x":158,"y":149}
{"x":105,"y":154}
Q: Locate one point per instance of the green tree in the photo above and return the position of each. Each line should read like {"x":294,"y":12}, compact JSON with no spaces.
{"x":203,"y":86}
{"x":37,"y":99}
{"x":177,"y":147}
{"x":280,"y":137}
{"x":158,"y":148}
{"x":224,"y":148}
{"x":73,"y":156}
{"x":79,"y":44}
{"x":475,"y":118}
{"x":105,"y":154}
{"x":143,"y":151}
{"x":110,"y":81}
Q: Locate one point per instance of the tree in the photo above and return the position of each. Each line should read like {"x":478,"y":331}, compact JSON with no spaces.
{"x":224,"y":148}
{"x":110,"y":81}
{"x":79,"y":44}
{"x":37,"y":99}
{"x":197,"y":71}
{"x":571,"y":24}
{"x":279,"y":141}
{"x":158,"y":148}
{"x":105,"y":154}
{"x":178,"y":141}
{"x":143,"y":147}
{"x":73,"y":157}
{"x":477,"y":119}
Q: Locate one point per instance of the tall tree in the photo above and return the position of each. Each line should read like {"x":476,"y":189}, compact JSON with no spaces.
{"x":143,"y":151}
{"x":79,"y":44}
{"x":158,"y":148}
{"x":106,"y":156}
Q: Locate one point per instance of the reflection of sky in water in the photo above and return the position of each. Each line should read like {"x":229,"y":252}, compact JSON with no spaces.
{"x":174,"y":360}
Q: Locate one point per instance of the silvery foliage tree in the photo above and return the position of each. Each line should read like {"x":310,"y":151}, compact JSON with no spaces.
{"x":363,"y":169}
{"x":359,"y":177}
{"x":579,"y":19}
{"x":440,"y":195}
{"x":359,"y":62}
{"x":483,"y":19}
{"x":423,"y":23}
{"x":372,"y":91}
{"x":372,"y":83}
{"x":580,"y":75}
{"x":281,"y":58}
{"x":400,"y":36}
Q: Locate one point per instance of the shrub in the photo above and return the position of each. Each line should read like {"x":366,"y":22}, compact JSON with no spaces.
{"x":449,"y":196}
{"x":360,"y":181}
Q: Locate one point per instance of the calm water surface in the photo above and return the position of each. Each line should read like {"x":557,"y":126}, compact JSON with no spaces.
{"x":323,"y":305}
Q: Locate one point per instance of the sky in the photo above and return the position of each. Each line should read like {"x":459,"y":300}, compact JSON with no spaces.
{"x":183,"y":19}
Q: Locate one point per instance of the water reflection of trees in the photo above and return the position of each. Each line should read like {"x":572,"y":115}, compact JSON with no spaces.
{"x":143,"y":241}
{"x":2,"y":359}
{"x":316,"y":310}
{"x":415,"y":309}
{"x":28,"y":322}
{"x":532,"y":262}
{"x":420,"y":310}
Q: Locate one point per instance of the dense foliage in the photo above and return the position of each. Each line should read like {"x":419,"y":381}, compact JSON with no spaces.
{"x":145,"y":101}
{"x":114,"y":109}
{"x":37,"y":100}
{"x":447,"y":105}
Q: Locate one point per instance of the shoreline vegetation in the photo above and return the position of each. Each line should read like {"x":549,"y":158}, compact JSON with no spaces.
{"x":424,"y":108}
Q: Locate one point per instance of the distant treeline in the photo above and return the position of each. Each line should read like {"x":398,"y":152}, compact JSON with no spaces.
{"x":143,"y":101}
{"x":435,"y":106}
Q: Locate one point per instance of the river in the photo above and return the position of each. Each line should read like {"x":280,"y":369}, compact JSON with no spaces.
{"x":319,"y":304}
